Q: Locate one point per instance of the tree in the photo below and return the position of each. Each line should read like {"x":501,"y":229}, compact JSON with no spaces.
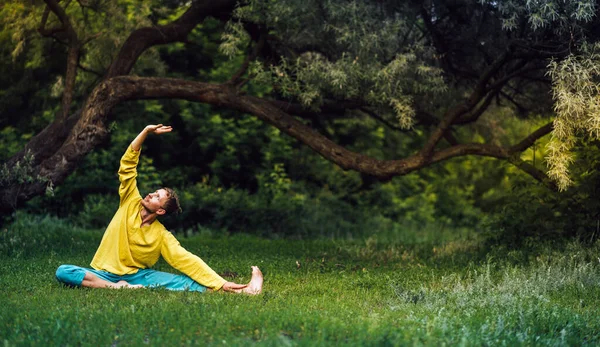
{"x":431,"y":69}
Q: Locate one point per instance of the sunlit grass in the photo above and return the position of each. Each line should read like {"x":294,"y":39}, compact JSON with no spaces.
{"x":364,"y":291}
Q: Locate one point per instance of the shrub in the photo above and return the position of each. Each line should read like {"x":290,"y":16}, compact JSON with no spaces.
{"x":530,"y":213}
{"x":97,"y":211}
{"x":287,"y":215}
{"x":30,"y":236}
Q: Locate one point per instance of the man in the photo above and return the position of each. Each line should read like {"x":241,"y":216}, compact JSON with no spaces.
{"x":135,"y":239}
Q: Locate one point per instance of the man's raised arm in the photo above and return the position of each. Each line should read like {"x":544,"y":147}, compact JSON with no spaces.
{"x":129,"y":162}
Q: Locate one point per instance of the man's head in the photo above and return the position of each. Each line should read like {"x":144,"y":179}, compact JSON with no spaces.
{"x":163,"y":201}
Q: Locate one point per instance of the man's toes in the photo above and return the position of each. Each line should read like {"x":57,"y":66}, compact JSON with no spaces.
{"x":251,"y":291}
{"x":256,"y":271}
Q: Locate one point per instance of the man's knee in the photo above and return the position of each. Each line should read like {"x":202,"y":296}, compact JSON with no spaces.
{"x":70,"y":275}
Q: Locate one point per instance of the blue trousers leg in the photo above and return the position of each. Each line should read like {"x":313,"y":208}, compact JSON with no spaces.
{"x":157,"y":279}
{"x":72,"y":275}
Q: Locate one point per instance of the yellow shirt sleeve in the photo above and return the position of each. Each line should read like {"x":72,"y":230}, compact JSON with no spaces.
{"x":127,"y":175}
{"x":191,"y":265}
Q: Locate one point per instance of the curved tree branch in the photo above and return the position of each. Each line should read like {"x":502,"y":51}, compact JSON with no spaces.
{"x":457,"y":111}
{"x":531,"y":139}
{"x":178,"y":30}
{"x":90,"y":130}
{"x":47,"y":142}
{"x":475,"y":114}
{"x":42,"y":28}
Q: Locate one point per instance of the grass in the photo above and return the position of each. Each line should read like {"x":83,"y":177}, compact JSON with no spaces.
{"x":425,"y":290}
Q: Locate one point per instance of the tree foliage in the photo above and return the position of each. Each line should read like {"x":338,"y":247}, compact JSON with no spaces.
{"x":576,"y":89}
{"x":380,"y":88}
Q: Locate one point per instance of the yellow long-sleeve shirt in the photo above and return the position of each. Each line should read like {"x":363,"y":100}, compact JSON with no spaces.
{"x":127,"y":247}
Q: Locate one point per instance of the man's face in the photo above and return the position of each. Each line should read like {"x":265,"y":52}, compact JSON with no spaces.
{"x":154,"y":202}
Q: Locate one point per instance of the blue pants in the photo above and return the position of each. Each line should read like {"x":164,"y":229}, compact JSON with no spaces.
{"x":73,"y":276}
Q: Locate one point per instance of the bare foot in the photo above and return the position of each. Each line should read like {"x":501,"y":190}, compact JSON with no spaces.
{"x":256,"y":283}
{"x":124,"y":284}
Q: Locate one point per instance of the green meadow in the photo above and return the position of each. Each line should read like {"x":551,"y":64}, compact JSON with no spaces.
{"x":425,"y":287}
{"x":405,"y":173}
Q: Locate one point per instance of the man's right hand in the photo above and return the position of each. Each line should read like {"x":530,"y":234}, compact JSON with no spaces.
{"x":158,"y":129}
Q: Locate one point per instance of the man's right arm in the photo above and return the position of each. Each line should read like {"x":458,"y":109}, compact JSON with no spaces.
{"x":128,"y":174}
{"x":129,"y":161}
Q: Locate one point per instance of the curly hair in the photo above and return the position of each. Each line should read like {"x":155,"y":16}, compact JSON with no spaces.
{"x":172,"y":205}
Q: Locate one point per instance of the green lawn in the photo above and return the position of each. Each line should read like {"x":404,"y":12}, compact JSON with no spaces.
{"x":317,"y":292}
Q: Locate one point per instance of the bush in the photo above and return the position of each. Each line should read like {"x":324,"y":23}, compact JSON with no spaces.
{"x":30,"y":236}
{"x":97,"y":211}
{"x":531,"y":213}
{"x":286,"y":215}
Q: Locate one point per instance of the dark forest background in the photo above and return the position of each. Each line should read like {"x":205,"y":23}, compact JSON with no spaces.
{"x":236,"y":173}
